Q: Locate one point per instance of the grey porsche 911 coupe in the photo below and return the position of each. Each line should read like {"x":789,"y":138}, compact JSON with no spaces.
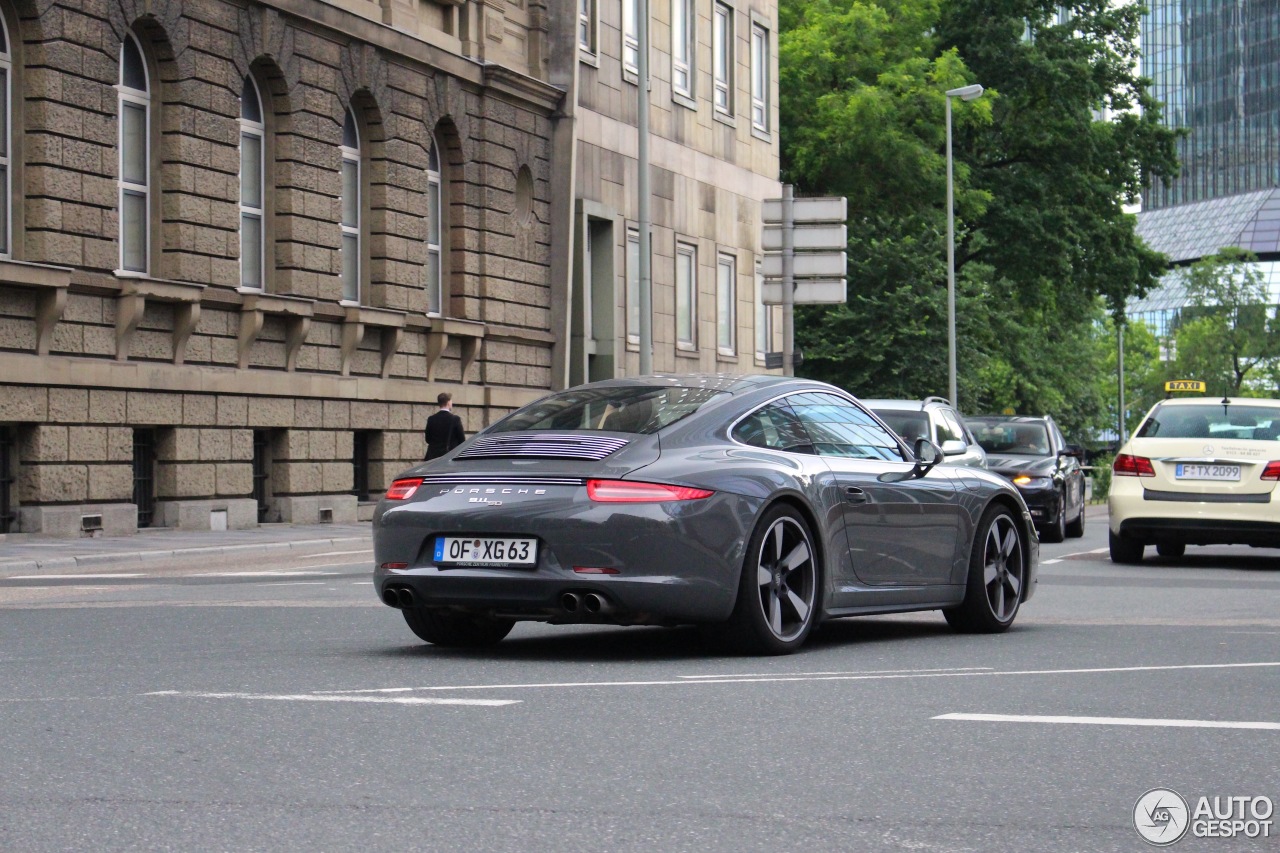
{"x":758,"y":504}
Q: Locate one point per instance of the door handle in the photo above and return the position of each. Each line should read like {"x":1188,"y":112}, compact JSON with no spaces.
{"x":854,"y":495}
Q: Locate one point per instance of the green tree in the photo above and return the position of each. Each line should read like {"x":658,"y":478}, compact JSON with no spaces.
{"x":1229,"y":332}
{"x":1040,"y":181}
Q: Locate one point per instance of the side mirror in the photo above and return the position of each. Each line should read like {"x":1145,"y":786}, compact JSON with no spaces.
{"x":954,"y":447}
{"x":1074,"y":450}
{"x":928,"y":454}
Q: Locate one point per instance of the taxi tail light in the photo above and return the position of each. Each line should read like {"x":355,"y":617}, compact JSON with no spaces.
{"x":402,"y":490}
{"x":1127,"y":465}
{"x":1272,"y":471}
{"x":628,"y":491}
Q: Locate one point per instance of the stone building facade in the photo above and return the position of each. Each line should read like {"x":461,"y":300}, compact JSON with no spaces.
{"x":245,"y":245}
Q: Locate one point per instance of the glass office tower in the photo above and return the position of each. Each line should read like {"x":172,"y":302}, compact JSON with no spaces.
{"x":1215,"y":65}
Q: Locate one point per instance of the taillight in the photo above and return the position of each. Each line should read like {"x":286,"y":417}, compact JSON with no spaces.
{"x":403,"y":489}
{"x":1272,"y":471}
{"x":626,"y":491}
{"x":1132,"y":466}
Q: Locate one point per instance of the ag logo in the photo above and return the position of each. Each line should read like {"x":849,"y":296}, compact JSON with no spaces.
{"x":1161,"y":817}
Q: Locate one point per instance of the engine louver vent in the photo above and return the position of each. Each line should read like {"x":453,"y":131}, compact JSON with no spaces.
{"x":543,"y":447}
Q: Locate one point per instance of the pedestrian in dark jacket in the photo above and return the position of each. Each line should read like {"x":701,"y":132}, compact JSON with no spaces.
{"x":444,"y":429}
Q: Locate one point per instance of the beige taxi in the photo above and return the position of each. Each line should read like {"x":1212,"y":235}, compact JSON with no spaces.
{"x":1197,"y":471}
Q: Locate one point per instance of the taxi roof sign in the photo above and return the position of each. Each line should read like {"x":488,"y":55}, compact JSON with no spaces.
{"x":1184,"y":385}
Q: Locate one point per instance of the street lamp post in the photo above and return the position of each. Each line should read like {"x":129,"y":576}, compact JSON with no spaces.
{"x":965,"y":93}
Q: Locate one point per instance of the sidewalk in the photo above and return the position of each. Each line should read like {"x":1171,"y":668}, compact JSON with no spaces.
{"x":28,"y":554}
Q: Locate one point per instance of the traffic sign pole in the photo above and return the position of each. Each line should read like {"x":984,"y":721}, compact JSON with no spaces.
{"x":788,"y":278}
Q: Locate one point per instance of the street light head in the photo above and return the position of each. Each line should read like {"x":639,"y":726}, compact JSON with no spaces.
{"x":966,"y":93}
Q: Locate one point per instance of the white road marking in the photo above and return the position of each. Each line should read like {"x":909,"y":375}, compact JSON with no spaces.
{"x":1110,"y":721}
{"x":777,"y":679}
{"x":362,"y":583}
{"x":863,"y":672}
{"x":342,"y":553}
{"x":296,"y":583}
{"x":1075,"y":554}
{"x":266,"y":574}
{"x":313,"y":697}
{"x":68,"y":577}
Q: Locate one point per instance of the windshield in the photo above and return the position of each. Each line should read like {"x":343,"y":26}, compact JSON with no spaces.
{"x":909,"y":425}
{"x":1011,"y":438}
{"x":1213,"y":420}
{"x":636,"y":409}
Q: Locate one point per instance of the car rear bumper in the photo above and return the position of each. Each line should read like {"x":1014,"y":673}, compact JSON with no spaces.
{"x":1147,"y":516}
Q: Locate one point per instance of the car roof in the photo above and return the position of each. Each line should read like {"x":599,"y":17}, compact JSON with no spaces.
{"x":1013,"y":419}
{"x":1218,"y":401}
{"x":732,"y":383}
{"x":913,"y":405}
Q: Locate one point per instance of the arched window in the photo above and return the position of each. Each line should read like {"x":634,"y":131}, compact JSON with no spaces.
{"x":435,"y":228}
{"x":6,"y":102}
{"x":252,"y":134}
{"x":350,"y":209}
{"x":135,"y":157}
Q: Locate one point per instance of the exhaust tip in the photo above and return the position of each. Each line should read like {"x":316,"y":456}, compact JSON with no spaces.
{"x":390,"y":598}
{"x":593,"y":602}
{"x":405,"y":596}
{"x":570,"y":601}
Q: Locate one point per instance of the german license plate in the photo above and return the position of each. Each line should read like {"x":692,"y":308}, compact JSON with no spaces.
{"x":485,"y":551}
{"x":1200,"y":471}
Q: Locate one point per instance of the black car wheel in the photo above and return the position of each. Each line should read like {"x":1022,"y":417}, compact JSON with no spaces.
{"x":1171,"y":549}
{"x":1123,"y":550}
{"x":997,"y":571}
{"x":778,"y":591}
{"x":1075,"y":529}
{"x":458,"y":630}
{"x":1056,"y":530}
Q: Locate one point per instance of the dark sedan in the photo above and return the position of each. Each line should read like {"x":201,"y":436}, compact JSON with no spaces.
{"x":760,"y":504}
{"x":1033,"y":455}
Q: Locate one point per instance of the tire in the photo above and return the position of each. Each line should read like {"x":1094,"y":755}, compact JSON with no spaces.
{"x":1171,"y":549}
{"x":1056,"y":531}
{"x":455,"y":630}
{"x":1075,"y":529}
{"x":1124,"y":551}
{"x":997,"y":575}
{"x":778,"y":592}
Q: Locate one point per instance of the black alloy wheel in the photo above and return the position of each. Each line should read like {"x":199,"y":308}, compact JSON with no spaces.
{"x":997,"y":573}
{"x":1056,"y":530}
{"x":1075,"y":529}
{"x":778,"y":591}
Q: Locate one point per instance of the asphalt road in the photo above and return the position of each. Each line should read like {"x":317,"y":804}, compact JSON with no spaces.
{"x":213,"y":707}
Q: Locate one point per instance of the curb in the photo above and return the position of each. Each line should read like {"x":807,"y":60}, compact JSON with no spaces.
{"x":92,"y":561}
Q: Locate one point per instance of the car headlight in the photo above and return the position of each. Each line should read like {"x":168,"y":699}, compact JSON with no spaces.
{"x":1024,"y":481}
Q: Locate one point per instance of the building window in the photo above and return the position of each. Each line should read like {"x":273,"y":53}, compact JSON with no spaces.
{"x":726,"y":304}
{"x":587,"y":25}
{"x":759,"y":78}
{"x":630,"y":36}
{"x":8,"y":459}
{"x":144,"y":475}
{"x":686,"y":296}
{"x":683,"y":42}
{"x":764,"y":317}
{"x":722,"y":58}
{"x":6,"y":144}
{"x":361,"y":444}
{"x":135,"y":157}
{"x":350,"y":209}
{"x":252,"y":135}
{"x":633,"y":287}
{"x":435,"y":227}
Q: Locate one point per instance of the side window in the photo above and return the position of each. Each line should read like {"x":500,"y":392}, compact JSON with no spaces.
{"x":839,"y":428}
{"x":775,"y":427}
{"x":949,"y":428}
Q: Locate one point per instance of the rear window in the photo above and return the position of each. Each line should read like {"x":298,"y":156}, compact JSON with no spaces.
{"x":909,"y":425}
{"x":635,"y":409}
{"x":1213,"y":420}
